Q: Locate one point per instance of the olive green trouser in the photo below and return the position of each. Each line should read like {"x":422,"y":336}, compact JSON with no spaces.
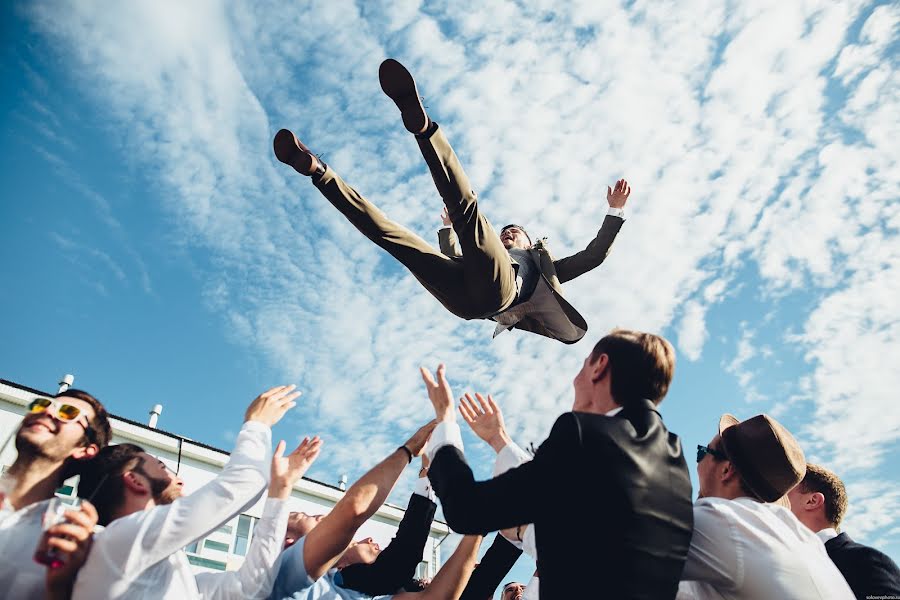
{"x":482,"y":282}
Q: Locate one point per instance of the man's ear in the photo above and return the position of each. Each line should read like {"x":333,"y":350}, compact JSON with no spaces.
{"x":815,"y":501}
{"x":135,"y":482}
{"x":729,"y":473}
{"x":85,"y":452}
{"x":599,"y":368}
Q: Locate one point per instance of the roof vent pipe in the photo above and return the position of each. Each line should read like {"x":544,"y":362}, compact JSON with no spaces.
{"x":342,"y":482}
{"x":66,"y":382}
{"x":154,"y":415}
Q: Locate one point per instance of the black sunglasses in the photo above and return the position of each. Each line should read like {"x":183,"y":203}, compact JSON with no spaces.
{"x":704,"y":450}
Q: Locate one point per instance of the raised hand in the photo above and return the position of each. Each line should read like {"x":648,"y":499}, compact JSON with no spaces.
{"x":416,"y":444}
{"x":270,"y":406}
{"x":439,"y":393}
{"x":486,"y":420}
{"x":445,"y":218}
{"x":287,"y":470}
{"x":618,"y":196}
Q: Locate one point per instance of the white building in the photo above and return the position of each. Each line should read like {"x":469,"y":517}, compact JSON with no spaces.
{"x":197,"y":463}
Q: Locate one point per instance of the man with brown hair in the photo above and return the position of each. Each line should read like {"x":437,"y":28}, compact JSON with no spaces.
{"x":746,"y":544}
{"x":608,"y":492}
{"x":56,"y":435}
{"x":820,"y":502}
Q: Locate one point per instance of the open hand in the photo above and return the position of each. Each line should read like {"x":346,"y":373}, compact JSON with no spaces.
{"x":416,"y":444}
{"x":445,"y":218}
{"x":287,"y":470}
{"x":618,"y":196}
{"x":485,"y":419}
{"x":439,"y":393}
{"x":271,"y":405}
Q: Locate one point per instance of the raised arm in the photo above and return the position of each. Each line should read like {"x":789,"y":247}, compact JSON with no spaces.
{"x":591,"y":257}
{"x":491,"y":570}
{"x":451,"y":580}
{"x":396,"y":565}
{"x":331,"y":537}
{"x":254,"y":579}
{"x":134,"y":543}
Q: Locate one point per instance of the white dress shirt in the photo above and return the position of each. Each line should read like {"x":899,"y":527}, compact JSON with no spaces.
{"x":254,"y":579}
{"x":827,"y":534}
{"x":20,"y":530}
{"x":748,"y":550}
{"x":141,"y":556}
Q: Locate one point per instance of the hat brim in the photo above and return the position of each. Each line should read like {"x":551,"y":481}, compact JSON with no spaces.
{"x":783,"y":501}
{"x":726,"y":421}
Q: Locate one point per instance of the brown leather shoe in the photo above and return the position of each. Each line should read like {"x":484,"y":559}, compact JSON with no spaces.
{"x":291,"y":151}
{"x":400,"y":87}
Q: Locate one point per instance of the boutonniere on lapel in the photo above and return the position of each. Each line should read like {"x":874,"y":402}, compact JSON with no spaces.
{"x":541,"y":245}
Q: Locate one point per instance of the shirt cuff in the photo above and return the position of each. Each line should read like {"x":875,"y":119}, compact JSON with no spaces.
{"x":616,"y":212}
{"x":447,"y":433}
{"x":256,"y":426}
{"x":510,"y":456}
{"x":274,"y":506}
{"x":422,"y":487}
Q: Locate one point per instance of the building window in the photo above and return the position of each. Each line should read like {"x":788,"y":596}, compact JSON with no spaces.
{"x":212,"y":545}
{"x":199,"y":561}
{"x":422,"y":570}
{"x":242,"y":537}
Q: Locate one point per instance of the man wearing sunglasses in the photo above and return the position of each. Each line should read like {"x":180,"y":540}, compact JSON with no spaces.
{"x":56,"y":436}
{"x":747,"y":544}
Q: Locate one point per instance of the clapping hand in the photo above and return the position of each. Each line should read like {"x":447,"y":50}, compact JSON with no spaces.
{"x":439,"y":393}
{"x":618,"y":196}
{"x":287,"y":470}
{"x":486,"y":420}
{"x":445,"y":218}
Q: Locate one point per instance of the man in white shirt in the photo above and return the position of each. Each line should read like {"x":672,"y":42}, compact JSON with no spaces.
{"x":820,"y":502}
{"x":139,"y":553}
{"x":54,"y":437}
{"x":746,"y":544}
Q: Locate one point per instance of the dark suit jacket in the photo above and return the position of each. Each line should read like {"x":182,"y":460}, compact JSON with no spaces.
{"x":608,"y":496}
{"x":396,"y":566}
{"x":555,"y":272}
{"x":867,"y":571}
{"x":491,"y":570}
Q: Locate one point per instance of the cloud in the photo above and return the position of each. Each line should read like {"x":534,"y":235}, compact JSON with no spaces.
{"x":749,"y":144}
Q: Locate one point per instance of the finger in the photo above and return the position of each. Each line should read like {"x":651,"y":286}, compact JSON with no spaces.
{"x":483,"y":404}
{"x":271,"y":392}
{"x":608,"y":191}
{"x":627,"y":190}
{"x":466,"y":415}
{"x":426,"y":376}
{"x":279,"y":450}
{"x":441,"y":370}
{"x":477,"y":412}
{"x":80,"y":519}
{"x":76,"y":532}
{"x":493,"y":404}
{"x":88,"y":510}
{"x":301,"y":447}
{"x":62,"y":544}
{"x":286,"y":395}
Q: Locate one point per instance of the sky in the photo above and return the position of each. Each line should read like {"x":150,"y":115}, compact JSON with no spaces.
{"x":155,"y":248}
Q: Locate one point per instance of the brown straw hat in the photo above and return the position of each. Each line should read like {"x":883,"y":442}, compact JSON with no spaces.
{"x":768,"y":457}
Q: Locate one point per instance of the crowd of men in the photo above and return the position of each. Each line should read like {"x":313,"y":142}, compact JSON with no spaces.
{"x":766,"y":524}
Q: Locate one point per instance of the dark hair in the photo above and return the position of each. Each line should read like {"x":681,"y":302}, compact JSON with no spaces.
{"x":819,"y":479}
{"x":100,"y":432}
{"x":101,"y":478}
{"x":641,"y":365}
{"x":519,"y":227}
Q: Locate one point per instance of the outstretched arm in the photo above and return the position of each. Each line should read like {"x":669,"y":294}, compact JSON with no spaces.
{"x":491,"y":570}
{"x":331,"y":537}
{"x":591,"y":257}
{"x":451,"y":580}
{"x":254,"y":579}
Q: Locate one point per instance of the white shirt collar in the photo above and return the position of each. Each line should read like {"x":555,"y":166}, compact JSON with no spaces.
{"x":614,"y":411}
{"x":827,"y":534}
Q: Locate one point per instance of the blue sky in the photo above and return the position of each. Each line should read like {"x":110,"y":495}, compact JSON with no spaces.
{"x":155,"y":248}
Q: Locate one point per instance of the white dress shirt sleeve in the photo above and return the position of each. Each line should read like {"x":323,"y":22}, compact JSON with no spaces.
{"x":422,"y":487}
{"x":254,"y":579}
{"x":447,"y":433}
{"x":715,"y":553}
{"x":616,"y":212}
{"x":510,"y":456}
{"x":135,"y":542}
{"x":532,"y":591}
